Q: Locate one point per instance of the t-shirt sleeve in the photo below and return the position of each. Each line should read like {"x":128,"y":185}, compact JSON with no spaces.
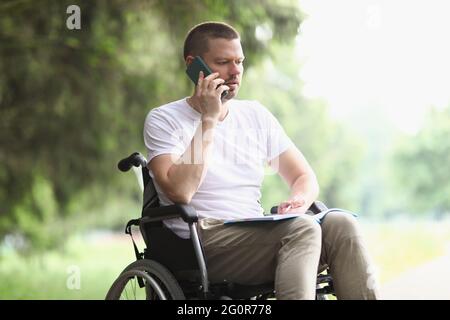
{"x":277,"y":139}
{"x":161,"y":136}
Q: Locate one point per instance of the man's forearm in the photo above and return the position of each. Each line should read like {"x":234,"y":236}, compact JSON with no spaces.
{"x":187,"y":174}
{"x":307,"y":187}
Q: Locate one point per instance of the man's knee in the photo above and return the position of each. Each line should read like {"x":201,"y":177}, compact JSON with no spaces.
{"x":345,"y":223}
{"x":305,"y":227}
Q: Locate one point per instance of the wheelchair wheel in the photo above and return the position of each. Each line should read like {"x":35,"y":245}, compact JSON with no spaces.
{"x":145,"y":280}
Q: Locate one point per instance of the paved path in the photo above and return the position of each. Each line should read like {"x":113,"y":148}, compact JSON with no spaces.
{"x":430,"y":281}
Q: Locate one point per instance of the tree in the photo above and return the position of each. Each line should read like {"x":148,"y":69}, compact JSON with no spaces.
{"x":331,"y":148}
{"x":73,"y":101}
{"x":422,"y":167}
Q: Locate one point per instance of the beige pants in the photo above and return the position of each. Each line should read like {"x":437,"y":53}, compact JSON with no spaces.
{"x":290,"y":253}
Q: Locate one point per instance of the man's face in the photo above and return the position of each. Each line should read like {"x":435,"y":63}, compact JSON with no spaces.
{"x":226,"y":57}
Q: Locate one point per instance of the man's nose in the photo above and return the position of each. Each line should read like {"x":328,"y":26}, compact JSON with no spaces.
{"x":235,"y":69}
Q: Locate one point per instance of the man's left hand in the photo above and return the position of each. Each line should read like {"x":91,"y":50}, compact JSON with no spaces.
{"x":293,"y":205}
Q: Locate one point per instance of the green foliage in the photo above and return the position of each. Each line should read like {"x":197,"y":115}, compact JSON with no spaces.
{"x":331,"y":149}
{"x":37,"y":213}
{"x":73,"y":102}
{"x":395,"y":247}
{"x":422,"y":165}
{"x":94,"y":262}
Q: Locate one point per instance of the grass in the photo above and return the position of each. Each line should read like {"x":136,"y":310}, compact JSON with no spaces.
{"x":94,"y":262}
{"x":85,"y":270}
{"x":400,"y":245}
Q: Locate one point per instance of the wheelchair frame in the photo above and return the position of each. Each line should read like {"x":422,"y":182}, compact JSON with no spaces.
{"x":161,"y":274}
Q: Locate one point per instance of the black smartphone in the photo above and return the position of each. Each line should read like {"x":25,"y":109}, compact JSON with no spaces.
{"x":194,"y":69}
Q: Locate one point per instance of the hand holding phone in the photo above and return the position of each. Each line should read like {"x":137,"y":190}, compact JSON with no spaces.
{"x":194,"y":69}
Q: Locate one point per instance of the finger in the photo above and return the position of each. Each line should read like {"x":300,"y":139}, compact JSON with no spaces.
{"x":198,"y":87}
{"x":284,"y":204}
{"x":284,"y":209}
{"x":207,"y":80}
{"x":298,"y":203}
{"x":222,"y":89}
{"x":212,"y":76}
{"x":297,"y":200}
{"x":215,"y":83}
{"x":201,"y":77}
{"x":287,"y":209}
{"x":200,"y":83}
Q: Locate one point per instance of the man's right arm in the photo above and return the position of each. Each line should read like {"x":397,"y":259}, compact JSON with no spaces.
{"x":179,"y":180}
{"x":180,"y":176}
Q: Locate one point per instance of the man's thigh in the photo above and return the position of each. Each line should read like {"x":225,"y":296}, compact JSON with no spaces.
{"x":245,"y":253}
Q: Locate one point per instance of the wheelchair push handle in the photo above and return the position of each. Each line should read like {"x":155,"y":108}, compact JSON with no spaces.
{"x":135,"y":159}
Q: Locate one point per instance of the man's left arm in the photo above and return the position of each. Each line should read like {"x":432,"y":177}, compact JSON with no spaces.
{"x":292,"y":166}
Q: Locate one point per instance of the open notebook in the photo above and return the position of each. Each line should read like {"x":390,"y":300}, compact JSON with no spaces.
{"x":277,"y":217}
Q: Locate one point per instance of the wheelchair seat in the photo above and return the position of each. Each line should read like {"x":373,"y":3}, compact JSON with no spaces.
{"x":174,"y":268}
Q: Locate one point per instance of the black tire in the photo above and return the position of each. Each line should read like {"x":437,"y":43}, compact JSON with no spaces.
{"x":159,"y":283}
{"x":321,"y":296}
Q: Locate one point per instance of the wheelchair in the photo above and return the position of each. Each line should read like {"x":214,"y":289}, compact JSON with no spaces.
{"x":172,"y":268}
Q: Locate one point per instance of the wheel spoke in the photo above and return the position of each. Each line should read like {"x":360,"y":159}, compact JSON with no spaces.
{"x":134,"y":287}
{"x":126,"y":291}
{"x":159,"y":283}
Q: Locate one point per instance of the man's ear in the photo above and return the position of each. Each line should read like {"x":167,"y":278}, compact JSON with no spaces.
{"x":189,"y":60}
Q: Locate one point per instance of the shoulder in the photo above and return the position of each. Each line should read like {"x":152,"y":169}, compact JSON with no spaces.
{"x":174,"y":115}
{"x":167,"y":111}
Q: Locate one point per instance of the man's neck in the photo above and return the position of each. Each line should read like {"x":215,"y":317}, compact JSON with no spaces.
{"x":223,"y":114}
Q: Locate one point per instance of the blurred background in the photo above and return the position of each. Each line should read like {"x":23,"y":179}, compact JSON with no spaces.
{"x":362,"y":88}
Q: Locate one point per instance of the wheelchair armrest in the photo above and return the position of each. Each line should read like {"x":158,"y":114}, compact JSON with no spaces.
{"x":185,"y":211}
{"x":316,"y":207}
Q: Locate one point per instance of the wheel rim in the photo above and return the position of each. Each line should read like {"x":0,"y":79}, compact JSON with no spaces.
{"x":129,"y":288}
{"x":159,"y":283}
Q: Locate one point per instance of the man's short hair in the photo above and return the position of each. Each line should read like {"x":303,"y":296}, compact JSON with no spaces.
{"x":196,"y":42}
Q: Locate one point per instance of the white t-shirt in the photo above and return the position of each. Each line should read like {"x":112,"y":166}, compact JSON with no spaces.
{"x":244,"y":142}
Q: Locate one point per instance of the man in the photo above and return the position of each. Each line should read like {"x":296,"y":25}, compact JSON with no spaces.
{"x":210,"y":152}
